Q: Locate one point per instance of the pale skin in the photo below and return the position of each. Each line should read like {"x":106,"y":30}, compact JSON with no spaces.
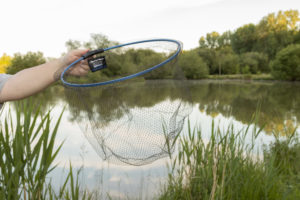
{"x":35,"y":79}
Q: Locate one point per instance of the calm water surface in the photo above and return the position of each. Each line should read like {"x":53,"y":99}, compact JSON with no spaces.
{"x":225,"y":102}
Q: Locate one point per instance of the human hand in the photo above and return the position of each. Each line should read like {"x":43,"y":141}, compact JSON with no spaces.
{"x":81,"y":68}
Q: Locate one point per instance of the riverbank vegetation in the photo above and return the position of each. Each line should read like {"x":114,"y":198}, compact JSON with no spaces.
{"x":27,"y":156}
{"x":271,"y":47}
{"x":227,"y":165}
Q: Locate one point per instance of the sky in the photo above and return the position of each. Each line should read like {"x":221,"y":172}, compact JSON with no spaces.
{"x":45,"y":25}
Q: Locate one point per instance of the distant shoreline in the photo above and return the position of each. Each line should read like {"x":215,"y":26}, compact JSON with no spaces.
{"x":237,"y":77}
{"x":242,"y":77}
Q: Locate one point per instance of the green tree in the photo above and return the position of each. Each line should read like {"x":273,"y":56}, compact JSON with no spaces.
{"x":286,"y":65}
{"x":212,"y":49}
{"x":225,"y":39}
{"x":273,"y":42}
{"x":209,"y":57}
{"x":257,"y":62}
{"x":122,"y":62}
{"x":20,"y":62}
{"x":161,"y":72}
{"x":297,"y":38}
{"x":214,"y":40}
{"x":229,"y":64}
{"x":244,"y":39}
{"x":193,"y":66}
{"x":282,"y":21}
{"x":276,"y":31}
{"x":227,"y":61}
{"x":210,"y":41}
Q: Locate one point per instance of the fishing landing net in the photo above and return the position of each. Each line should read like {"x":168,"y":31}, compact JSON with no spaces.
{"x":133,"y":120}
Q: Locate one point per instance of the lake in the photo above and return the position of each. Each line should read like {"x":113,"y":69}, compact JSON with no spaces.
{"x":200,"y":102}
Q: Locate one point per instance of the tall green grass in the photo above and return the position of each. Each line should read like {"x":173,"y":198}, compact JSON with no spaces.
{"x":226,"y":167}
{"x":27,"y":154}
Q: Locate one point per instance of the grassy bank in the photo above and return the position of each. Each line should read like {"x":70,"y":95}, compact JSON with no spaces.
{"x":226,"y":167}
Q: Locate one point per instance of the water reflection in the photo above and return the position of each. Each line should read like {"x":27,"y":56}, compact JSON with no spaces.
{"x":279,"y":101}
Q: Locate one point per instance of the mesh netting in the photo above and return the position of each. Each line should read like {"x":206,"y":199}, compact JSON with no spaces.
{"x":135,"y":121}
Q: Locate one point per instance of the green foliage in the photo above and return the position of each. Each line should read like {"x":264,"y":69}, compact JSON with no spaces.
{"x":24,"y":165}
{"x":209,"y":57}
{"x":286,"y":155}
{"x":74,"y":191}
{"x":229,"y":64}
{"x":20,"y":62}
{"x":214,"y":40}
{"x":282,"y":21}
{"x":297,"y":38}
{"x":286,"y":65}
{"x":255,"y":61}
{"x":138,"y":60}
{"x":226,"y":167}
{"x":255,"y":43}
{"x":211,"y":40}
{"x":27,"y":154}
{"x":193,"y":66}
{"x":245,"y":70}
{"x":274,"y":32}
{"x":123,"y":62}
{"x":272,"y":42}
{"x":244,"y":38}
{"x":220,"y":58}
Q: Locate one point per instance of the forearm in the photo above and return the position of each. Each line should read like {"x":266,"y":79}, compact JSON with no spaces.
{"x":32,"y":80}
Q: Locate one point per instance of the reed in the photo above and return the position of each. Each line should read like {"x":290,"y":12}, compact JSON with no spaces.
{"x":227,"y":167}
{"x":27,"y":154}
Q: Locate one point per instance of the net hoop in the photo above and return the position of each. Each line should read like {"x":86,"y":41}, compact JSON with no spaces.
{"x":179,"y":48}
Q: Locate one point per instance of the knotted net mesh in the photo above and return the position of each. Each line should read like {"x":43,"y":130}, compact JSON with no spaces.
{"x":136,"y":121}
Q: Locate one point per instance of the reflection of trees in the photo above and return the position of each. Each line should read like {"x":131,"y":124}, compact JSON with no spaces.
{"x":280,"y":102}
{"x":112,"y":102}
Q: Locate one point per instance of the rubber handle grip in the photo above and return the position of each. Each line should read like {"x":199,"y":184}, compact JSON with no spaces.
{"x":91,"y":53}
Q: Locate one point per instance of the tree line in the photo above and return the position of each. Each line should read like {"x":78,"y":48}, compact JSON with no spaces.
{"x":271,"y":46}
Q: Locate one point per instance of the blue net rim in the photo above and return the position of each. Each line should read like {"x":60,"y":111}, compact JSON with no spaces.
{"x":179,"y":48}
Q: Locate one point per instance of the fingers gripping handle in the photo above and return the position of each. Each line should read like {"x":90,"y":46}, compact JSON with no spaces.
{"x":91,"y":53}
